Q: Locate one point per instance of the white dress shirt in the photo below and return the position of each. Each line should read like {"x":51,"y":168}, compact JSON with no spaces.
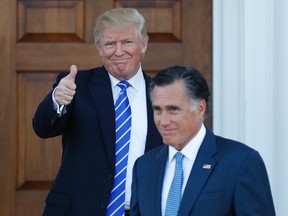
{"x":190,"y":152}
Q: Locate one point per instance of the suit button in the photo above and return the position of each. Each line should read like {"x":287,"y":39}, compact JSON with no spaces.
{"x":103,"y":205}
{"x":52,"y":121}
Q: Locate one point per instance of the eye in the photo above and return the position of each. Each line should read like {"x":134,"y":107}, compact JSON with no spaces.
{"x":128,"y":42}
{"x":173,"y":109}
{"x":156,"y":110}
{"x":109,"y":45}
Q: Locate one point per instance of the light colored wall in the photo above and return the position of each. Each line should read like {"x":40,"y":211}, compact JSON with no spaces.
{"x":250,"y":82}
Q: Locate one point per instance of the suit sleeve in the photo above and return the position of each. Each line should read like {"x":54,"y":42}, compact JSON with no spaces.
{"x":46,"y":122}
{"x":253,"y":195}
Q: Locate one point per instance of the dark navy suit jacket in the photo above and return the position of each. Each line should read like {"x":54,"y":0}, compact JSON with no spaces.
{"x":227,"y":179}
{"x":85,"y":179}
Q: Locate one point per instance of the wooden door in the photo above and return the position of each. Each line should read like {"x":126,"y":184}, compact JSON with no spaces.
{"x":39,"y":38}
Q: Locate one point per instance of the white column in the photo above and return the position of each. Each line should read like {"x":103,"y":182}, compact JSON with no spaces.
{"x":250,"y":84}
{"x":281,"y":106}
{"x":258,"y":85}
{"x":228,"y":78}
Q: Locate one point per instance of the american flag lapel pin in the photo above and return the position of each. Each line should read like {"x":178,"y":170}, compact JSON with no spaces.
{"x":207,"y":166}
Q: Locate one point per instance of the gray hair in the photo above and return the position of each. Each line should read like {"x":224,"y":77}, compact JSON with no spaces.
{"x":196,"y":86}
{"x":120,"y":18}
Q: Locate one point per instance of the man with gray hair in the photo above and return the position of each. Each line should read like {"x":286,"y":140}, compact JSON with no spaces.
{"x":196,"y":173}
{"x":100,"y":142}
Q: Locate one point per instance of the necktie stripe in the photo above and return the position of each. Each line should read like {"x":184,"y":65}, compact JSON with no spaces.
{"x":121,"y":103}
{"x":117,"y":199}
{"x":122,"y":152}
{"x":122,"y":112}
{"x":120,"y":175}
{"x":124,"y":160}
{"x":119,"y":187}
{"x":126,"y":129}
{"x":126,"y":145}
{"x":127,"y":132}
{"x":127,"y":121}
{"x":122,"y":134}
{"x":122,"y":99}
{"x":117,"y":207}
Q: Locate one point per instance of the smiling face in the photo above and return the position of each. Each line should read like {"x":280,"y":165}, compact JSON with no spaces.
{"x":173,"y":117}
{"x":121,"y":51}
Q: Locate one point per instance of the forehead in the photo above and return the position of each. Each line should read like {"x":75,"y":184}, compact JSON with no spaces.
{"x":119,"y":33}
{"x":174,"y":93}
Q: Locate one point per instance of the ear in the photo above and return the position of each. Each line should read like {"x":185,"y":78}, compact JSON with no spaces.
{"x":144,"y":47}
{"x":100,"y":50}
{"x":201,"y":109}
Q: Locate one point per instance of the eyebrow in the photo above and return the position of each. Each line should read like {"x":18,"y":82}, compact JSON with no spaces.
{"x":114,"y":40}
{"x":173,"y":107}
{"x":169,"y":107}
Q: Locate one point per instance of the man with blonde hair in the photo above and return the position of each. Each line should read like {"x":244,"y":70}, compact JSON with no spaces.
{"x":100,"y":142}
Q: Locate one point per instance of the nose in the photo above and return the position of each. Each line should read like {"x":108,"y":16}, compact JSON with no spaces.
{"x":119,"y":49}
{"x":164,"y":120}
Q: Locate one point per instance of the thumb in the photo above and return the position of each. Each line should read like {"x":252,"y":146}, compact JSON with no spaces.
{"x":73,"y":72}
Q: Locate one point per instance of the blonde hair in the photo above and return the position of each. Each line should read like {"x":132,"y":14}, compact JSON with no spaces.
{"x":120,"y":18}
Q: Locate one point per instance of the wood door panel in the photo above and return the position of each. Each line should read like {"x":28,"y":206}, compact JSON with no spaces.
{"x":50,"y":21}
{"x":171,"y":54}
{"x":30,"y":202}
{"x":55,"y":57}
{"x":163,"y":18}
{"x":38,"y":159}
{"x":39,"y":38}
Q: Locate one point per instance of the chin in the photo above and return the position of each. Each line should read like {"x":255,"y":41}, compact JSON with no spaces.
{"x":167,"y":141}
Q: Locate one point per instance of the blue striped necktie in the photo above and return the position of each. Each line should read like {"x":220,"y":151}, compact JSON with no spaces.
{"x":174,"y":196}
{"x":123,"y":129}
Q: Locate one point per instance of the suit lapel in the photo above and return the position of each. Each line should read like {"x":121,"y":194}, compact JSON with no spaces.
{"x":153,"y":137}
{"x":158,"y":170}
{"x":201,"y":170}
{"x":101,"y":94}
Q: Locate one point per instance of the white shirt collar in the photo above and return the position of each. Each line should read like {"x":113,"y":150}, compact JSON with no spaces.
{"x":134,"y":81}
{"x":191,"y":149}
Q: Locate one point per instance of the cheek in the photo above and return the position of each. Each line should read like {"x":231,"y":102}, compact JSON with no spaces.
{"x":135,"y":51}
{"x":156,"y":120}
{"x":106,"y":54}
{"x":187,"y":124}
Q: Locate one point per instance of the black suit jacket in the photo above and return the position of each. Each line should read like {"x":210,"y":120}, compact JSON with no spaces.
{"x":85,"y":179}
{"x":227,"y":179}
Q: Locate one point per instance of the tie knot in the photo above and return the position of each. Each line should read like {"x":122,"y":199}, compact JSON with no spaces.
{"x":179,"y":156}
{"x":123,"y":85}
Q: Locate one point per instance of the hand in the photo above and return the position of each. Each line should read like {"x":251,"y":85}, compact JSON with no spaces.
{"x":66,"y":89}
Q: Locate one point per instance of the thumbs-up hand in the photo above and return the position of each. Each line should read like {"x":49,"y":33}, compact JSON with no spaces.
{"x":66,"y":89}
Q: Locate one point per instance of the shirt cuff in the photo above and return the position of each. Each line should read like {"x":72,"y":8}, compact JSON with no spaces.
{"x":61,"y":110}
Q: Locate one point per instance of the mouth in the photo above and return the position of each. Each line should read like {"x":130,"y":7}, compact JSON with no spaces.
{"x":120,"y":64}
{"x":167,"y":132}
{"x":120,"y":60}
